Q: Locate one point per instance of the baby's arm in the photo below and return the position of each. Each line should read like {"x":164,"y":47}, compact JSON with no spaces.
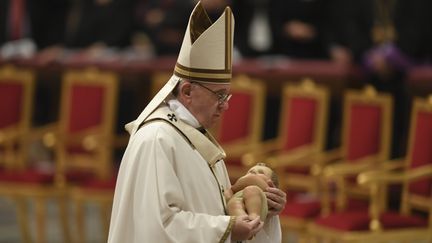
{"x":228,"y":193}
{"x":249,"y":180}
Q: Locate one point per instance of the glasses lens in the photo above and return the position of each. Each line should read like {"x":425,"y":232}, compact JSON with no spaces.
{"x":224,"y":98}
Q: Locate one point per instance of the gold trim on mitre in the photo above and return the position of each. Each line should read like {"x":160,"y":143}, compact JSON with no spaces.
{"x":206,"y":52}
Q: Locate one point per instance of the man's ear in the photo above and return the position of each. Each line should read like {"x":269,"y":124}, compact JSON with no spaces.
{"x":185,"y":90}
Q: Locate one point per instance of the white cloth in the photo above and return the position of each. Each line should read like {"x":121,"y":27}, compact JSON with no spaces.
{"x":166,"y":192}
{"x":184,"y":114}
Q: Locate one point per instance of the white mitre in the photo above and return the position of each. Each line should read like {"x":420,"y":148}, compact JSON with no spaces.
{"x":205,"y":56}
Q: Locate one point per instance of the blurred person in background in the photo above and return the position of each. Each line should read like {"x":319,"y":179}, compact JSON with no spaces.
{"x":28,"y":26}
{"x":307,"y":29}
{"x":161,"y":23}
{"x":253,"y":32}
{"x":109,"y":22}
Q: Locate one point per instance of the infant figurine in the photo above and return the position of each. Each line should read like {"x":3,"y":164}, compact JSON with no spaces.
{"x":247,"y":197}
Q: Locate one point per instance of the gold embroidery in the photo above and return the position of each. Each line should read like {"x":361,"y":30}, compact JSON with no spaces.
{"x":229,"y":229}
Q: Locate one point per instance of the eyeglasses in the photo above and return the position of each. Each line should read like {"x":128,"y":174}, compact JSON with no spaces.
{"x":222,"y":98}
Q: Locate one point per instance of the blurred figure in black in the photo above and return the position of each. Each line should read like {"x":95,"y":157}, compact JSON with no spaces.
{"x":109,"y":22}
{"x":28,"y":24}
{"x":306,"y":29}
{"x":253,"y":27}
{"x":162,"y":22}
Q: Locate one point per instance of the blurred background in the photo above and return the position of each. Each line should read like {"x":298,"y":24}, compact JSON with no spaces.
{"x":337,"y":44}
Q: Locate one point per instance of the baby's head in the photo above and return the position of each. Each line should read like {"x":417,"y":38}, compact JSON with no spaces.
{"x":263,"y":169}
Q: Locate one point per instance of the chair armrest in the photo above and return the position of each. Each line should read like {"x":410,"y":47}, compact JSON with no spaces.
{"x":47,"y":133}
{"x":389,"y":177}
{"x":237,"y":149}
{"x":9,"y":134}
{"x":320,"y":160}
{"x":302,"y":156}
{"x":259,"y":151}
{"x":51,"y":136}
{"x":344,"y":168}
{"x":90,"y":138}
{"x":362,"y":165}
{"x":376,"y":180}
{"x":393,"y":165}
{"x":329,"y":156}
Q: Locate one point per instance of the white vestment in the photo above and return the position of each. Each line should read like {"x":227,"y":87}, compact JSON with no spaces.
{"x":167,"y":192}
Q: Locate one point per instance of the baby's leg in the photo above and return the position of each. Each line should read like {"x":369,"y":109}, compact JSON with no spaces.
{"x":236,"y":207}
{"x":253,"y":199}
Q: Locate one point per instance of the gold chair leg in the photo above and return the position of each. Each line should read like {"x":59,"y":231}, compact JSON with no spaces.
{"x":23,"y":219}
{"x":79,"y":214}
{"x":40,"y":211}
{"x":63,"y":211}
{"x":105,"y":218}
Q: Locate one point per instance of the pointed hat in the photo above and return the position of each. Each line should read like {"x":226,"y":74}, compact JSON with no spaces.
{"x":205,"y":56}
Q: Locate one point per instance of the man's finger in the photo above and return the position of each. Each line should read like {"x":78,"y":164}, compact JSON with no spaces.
{"x":276,"y":191}
{"x":244,"y":218}
{"x":255,"y":222}
{"x":273,"y":197}
{"x":258,"y":227}
{"x":270,"y":183}
{"x":272,"y":204}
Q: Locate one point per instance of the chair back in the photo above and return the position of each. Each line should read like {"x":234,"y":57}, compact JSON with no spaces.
{"x":86,"y":125}
{"x":419,"y":192}
{"x":367,"y":124}
{"x":16,"y":97}
{"x":366,"y":138}
{"x":303,"y":116}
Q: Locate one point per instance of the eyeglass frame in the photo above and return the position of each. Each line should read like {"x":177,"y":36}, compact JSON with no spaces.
{"x":222,"y":98}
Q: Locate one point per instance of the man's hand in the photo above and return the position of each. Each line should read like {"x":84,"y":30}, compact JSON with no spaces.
{"x":244,"y":228}
{"x":276,"y":199}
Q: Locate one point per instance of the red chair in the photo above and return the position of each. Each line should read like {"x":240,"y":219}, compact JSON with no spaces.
{"x":16,"y":96}
{"x":413,"y":222}
{"x":302,"y":133}
{"x":20,"y":177}
{"x":365,"y":140}
{"x":84,"y":142}
{"x":81,"y":141}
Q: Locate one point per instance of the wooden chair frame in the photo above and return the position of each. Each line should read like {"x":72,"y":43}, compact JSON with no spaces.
{"x":369,"y":96}
{"x":377,"y":180}
{"x":332,"y":166}
{"x":298,"y":156}
{"x":22,"y":134}
{"x":16,"y":134}
{"x":340,"y":167}
{"x":57,"y":137}
{"x":100,"y":138}
{"x":97,"y":139}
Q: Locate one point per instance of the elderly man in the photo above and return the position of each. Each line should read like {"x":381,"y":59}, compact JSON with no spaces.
{"x":172,"y":177}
